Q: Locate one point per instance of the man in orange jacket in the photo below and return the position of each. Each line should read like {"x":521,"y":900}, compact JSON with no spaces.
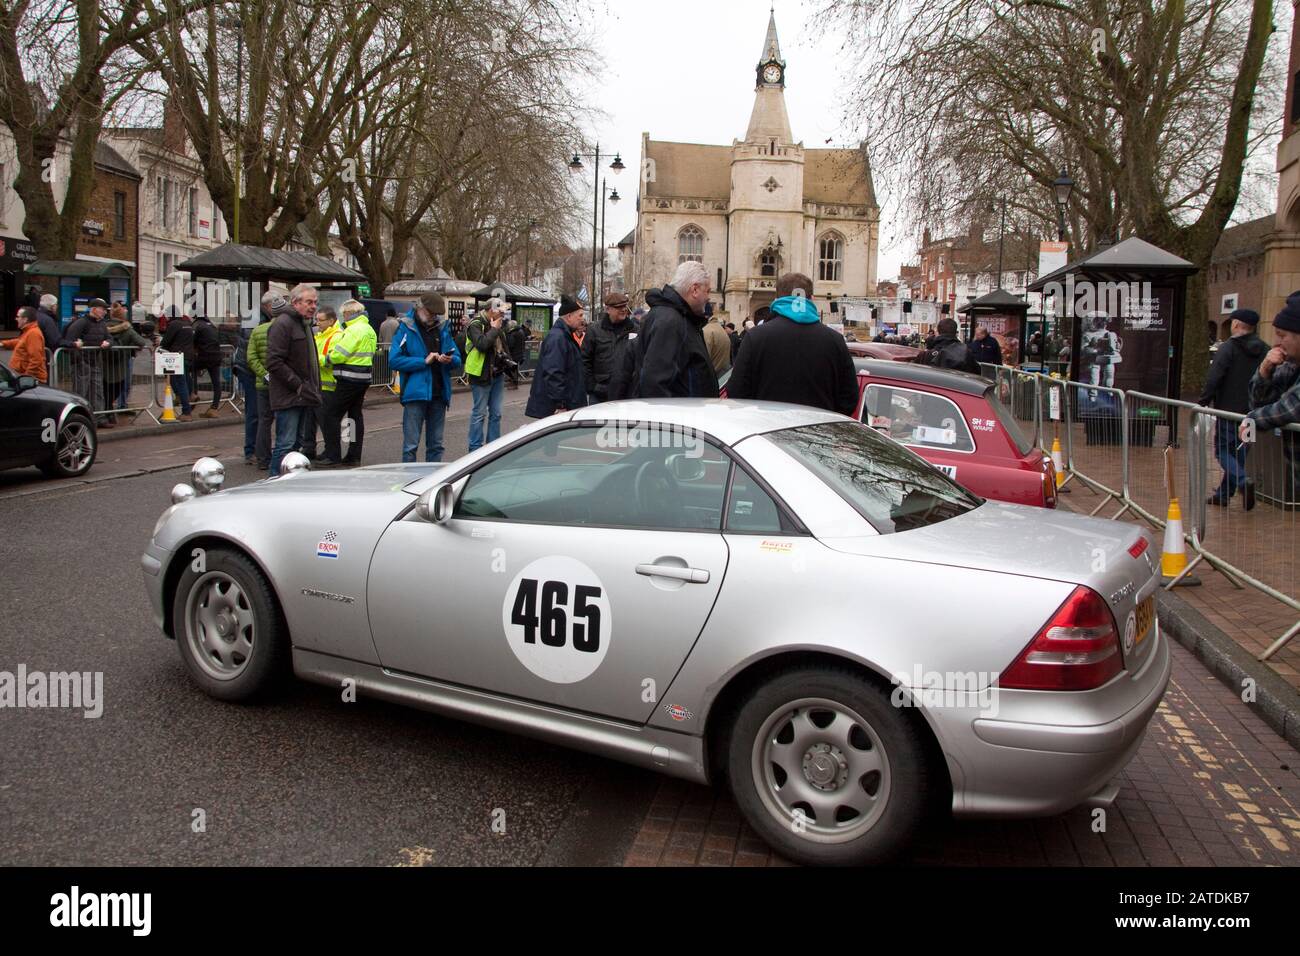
{"x":29,"y":347}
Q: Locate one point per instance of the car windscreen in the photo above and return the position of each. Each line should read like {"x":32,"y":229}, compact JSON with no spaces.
{"x":890,"y":486}
{"x":1009,"y":423}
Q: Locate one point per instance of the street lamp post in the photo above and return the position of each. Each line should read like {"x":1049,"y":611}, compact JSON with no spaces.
{"x":237,"y":24}
{"x":1062,"y":186}
{"x":610,"y":195}
{"x":575,"y":165}
{"x":528,"y":241}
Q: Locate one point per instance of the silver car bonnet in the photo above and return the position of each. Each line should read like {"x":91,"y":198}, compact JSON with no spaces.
{"x":371,"y":479}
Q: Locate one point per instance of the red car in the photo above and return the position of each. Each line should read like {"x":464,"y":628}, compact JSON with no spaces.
{"x":884,"y":350}
{"x":956,"y":422}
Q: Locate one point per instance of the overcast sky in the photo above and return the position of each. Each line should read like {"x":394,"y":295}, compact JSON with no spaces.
{"x":683,"y":70}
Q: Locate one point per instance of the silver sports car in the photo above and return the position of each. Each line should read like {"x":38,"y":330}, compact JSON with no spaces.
{"x":767,"y":595}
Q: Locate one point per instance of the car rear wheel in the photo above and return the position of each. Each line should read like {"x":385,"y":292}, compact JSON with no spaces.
{"x":75,"y":449}
{"x":827,"y":770}
{"x":228,"y":626}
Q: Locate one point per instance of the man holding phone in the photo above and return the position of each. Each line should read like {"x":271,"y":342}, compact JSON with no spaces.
{"x":424,"y":353}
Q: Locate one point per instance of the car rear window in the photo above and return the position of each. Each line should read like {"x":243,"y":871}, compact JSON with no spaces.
{"x":889,"y":485}
{"x":1009,"y":423}
{"x":917,"y":418}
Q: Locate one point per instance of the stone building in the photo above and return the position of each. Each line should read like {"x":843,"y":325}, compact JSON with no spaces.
{"x":1282,"y":248}
{"x":754,"y":210}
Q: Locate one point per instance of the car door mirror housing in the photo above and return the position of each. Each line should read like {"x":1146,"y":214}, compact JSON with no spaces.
{"x":26,"y":382}
{"x":686,"y":468}
{"x":437,"y":504}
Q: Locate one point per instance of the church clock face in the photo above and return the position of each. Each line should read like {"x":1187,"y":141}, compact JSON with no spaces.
{"x":772,"y":73}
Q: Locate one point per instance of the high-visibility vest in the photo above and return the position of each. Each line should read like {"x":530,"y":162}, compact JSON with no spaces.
{"x":474,"y":359}
{"x":323,"y":341}
{"x":352,"y":353}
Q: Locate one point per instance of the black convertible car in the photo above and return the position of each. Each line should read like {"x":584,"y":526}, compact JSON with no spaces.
{"x":53,"y":430}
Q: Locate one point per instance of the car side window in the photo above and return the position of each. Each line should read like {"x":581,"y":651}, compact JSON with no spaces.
{"x":613,"y":475}
{"x":751,"y":510}
{"x":919,"y":419}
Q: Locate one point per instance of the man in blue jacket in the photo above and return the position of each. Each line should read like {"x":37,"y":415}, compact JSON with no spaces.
{"x":559,"y":383}
{"x":425,"y":354}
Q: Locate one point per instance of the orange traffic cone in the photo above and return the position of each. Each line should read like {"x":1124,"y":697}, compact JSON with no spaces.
{"x":169,"y":407}
{"x":1057,"y":462}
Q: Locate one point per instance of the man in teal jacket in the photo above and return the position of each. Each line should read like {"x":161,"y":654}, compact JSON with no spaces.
{"x":425,"y":354}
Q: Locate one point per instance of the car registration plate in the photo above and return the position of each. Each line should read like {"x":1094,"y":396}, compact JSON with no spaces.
{"x":1146,"y":615}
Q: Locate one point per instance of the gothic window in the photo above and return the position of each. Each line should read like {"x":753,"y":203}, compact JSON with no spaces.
{"x":767,"y":264}
{"x":690,"y":245}
{"x":830,"y":258}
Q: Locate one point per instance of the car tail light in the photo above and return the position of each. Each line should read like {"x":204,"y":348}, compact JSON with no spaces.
{"x":1049,"y":483}
{"x":1138,"y":547}
{"x":1077,"y":649}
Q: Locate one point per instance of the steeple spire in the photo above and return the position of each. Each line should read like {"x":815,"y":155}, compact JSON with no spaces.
{"x":771,"y":45}
{"x":769,"y":120}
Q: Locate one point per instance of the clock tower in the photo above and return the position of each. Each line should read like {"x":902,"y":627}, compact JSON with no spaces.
{"x":771,"y":68}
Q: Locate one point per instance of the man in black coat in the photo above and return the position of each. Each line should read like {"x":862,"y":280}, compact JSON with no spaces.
{"x":1227,"y":387}
{"x":672,"y":359}
{"x":207,"y":358}
{"x":604,"y":345}
{"x":47,"y":323}
{"x":947,"y":351}
{"x":294,"y":369}
{"x":559,"y":383}
{"x":179,"y":337}
{"x":793,"y":357}
{"x":985,"y":348}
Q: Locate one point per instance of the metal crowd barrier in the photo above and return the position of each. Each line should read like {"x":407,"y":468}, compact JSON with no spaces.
{"x":117,"y":380}
{"x":1116,"y":443}
{"x":381,"y":376}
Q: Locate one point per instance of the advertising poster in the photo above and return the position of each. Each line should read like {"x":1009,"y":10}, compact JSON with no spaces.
{"x":1127,"y":345}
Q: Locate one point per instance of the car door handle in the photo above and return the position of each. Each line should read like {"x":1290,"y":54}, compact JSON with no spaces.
{"x":689,"y":575}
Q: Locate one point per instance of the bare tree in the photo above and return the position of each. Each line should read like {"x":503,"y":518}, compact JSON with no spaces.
{"x":465,"y":142}
{"x":1152,"y":105}
{"x":63,"y":65}
{"x":304,"y":65}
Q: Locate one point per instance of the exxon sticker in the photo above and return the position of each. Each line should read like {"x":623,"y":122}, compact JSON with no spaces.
{"x":328,"y":545}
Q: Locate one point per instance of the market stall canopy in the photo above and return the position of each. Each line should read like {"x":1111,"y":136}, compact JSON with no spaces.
{"x":999,"y":300}
{"x":1132,"y":260}
{"x":231,"y":261}
{"x":443,"y":284}
{"x":79,"y":269}
{"x":514,"y":294}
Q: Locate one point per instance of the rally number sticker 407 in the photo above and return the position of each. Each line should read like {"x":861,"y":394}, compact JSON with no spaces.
{"x":557,"y":619}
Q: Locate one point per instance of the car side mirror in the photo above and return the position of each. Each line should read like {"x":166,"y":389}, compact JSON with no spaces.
{"x":685,"y":468}
{"x":437,"y":504}
{"x":26,"y":382}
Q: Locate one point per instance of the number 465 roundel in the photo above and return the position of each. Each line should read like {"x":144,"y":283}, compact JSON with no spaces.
{"x":557,"y":619}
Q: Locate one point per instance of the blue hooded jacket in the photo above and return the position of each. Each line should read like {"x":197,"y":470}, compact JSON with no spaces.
{"x":797,"y":308}
{"x":407,"y":353}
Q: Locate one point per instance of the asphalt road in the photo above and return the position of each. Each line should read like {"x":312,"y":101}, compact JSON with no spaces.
{"x":305,"y":780}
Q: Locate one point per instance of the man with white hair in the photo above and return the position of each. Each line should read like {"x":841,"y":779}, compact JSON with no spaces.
{"x":291,"y":361}
{"x":673,"y":358}
{"x":47,"y":321}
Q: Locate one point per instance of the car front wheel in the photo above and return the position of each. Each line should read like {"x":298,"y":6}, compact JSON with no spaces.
{"x":75,"y":449}
{"x":827,"y":770}
{"x":228,"y":626}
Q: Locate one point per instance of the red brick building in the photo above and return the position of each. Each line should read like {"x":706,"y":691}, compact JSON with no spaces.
{"x":1236,"y":274}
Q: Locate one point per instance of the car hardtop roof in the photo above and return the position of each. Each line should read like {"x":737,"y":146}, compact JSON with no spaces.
{"x":728,"y":420}
{"x":963,"y":382}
